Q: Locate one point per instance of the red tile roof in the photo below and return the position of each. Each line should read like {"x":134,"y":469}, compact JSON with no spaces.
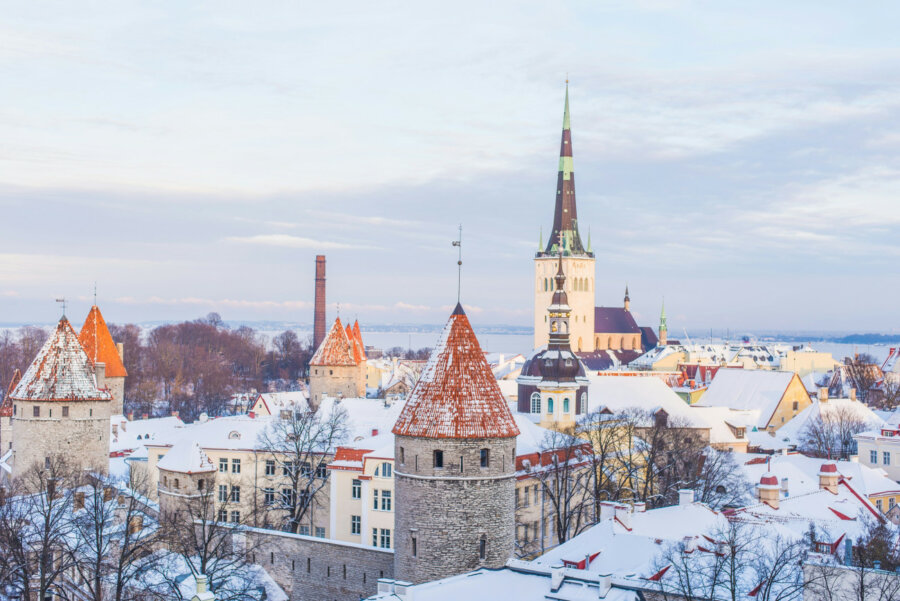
{"x":99,"y":345}
{"x":457,"y":395}
{"x":358,"y":335}
{"x":62,"y":371}
{"x":6,"y":409}
{"x":336,"y":349}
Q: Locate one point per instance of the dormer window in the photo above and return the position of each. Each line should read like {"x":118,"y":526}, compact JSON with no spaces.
{"x":234,"y":435}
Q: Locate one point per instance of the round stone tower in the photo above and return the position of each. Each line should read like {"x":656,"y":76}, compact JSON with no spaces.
{"x":185,"y":474}
{"x":61,"y":407}
{"x":455,"y":451}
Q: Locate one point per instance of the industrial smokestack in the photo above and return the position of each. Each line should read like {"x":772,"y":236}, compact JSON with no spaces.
{"x":319,"y":317}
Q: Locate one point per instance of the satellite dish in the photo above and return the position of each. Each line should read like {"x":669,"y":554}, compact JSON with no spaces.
{"x":203,"y":418}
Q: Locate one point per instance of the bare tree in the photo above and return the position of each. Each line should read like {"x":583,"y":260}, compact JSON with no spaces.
{"x":831,"y":433}
{"x":606,"y":435}
{"x":297,"y":446}
{"x":721,"y":483}
{"x":777,"y":569}
{"x":565,"y":479}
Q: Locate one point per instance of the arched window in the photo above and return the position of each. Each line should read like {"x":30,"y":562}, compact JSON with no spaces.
{"x":565,"y":405}
{"x":546,"y":286}
{"x":176,"y":482}
{"x":485,"y":457}
{"x":584,"y":402}
{"x":385,"y":470}
{"x":536,"y":402}
{"x":550,"y":405}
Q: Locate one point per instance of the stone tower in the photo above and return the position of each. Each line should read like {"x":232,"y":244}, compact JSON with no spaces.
{"x":6,"y":413}
{"x":100,"y":348}
{"x":61,"y":406}
{"x":577,"y":261}
{"x":185,"y":474}
{"x":338,"y":367}
{"x":553,"y":384}
{"x":455,"y":451}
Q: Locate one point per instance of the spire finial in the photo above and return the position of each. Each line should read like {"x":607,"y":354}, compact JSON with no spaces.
{"x":62,"y":303}
{"x":339,"y":310}
{"x":458,"y":244}
{"x":95,"y":292}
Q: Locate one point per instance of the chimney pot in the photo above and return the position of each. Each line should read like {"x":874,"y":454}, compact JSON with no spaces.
{"x":374,"y":431}
{"x":685,"y":496}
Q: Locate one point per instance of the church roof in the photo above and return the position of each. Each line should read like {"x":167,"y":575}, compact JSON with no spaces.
{"x":99,"y":345}
{"x":614,"y":320}
{"x":457,"y":395}
{"x":6,"y":409}
{"x":62,"y":371}
{"x":336,"y":349}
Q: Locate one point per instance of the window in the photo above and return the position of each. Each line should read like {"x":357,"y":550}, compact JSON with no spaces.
{"x":304,"y":530}
{"x":385,"y":538}
{"x":482,"y":548}
{"x":65,"y":411}
{"x":270,"y":467}
{"x":565,"y":405}
{"x":385,"y":500}
{"x":415,"y":551}
{"x":402,"y":456}
{"x":223,"y":466}
{"x":374,"y":537}
{"x":355,"y":524}
{"x":223,"y":493}
{"x":891,"y":502}
{"x":36,"y":411}
{"x":460,"y":464}
{"x":385,"y":470}
{"x":320,"y":532}
{"x":583,"y":402}
{"x":223,"y":515}
{"x":887,"y":458}
{"x":438,"y":459}
{"x":535,"y":402}
{"x":878,"y":504}
{"x":356,"y":489}
{"x":306,"y":469}
{"x":269,"y":496}
{"x":550,"y":405}
{"x":525,"y":497}
{"x":796,"y":405}
{"x":235,"y":517}
{"x":535,"y":493}
{"x":287,"y":497}
{"x":235,"y":466}
{"x":287,"y":468}
{"x":518,"y":499}
{"x":322,"y":470}
{"x":873,"y":457}
{"x":235,"y":494}
{"x":200,"y":484}
{"x":485,"y":457}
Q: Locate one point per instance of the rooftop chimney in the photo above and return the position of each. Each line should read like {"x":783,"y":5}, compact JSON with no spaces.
{"x":823,"y":395}
{"x":828,"y":477}
{"x":319,"y":314}
{"x":685,"y":496}
{"x":769,"y":490}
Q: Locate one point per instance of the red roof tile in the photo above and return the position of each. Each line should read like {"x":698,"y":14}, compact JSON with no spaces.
{"x":457,"y":395}
{"x":62,"y":371}
{"x":99,"y":345}
{"x":335,"y":349}
{"x":6,"y":409}
{"x":358,"y":335}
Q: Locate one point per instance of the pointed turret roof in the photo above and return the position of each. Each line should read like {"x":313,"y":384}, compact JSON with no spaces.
{"x":62,"y":371}
{"x":662,"y":317}
{"x":336,"y":349}
{"x":99,"y":345}
{"x":6,"y":408}
{"x":565,"y":215}
{"x":358,"y":336}
{"x":457,"y":395}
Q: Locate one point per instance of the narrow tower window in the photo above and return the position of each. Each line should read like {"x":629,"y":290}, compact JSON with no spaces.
{"x":460,"y":464}
{"x":438,"y":459}
{"x":482,"y":548}
{"x":485,"y":457}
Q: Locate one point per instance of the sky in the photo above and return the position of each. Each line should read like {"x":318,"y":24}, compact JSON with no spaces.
{"x":740,"y":162}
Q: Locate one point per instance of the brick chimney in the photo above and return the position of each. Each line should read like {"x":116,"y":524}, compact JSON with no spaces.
{"x":823,"y":395}
{"x":319,"y":314}
{"x":828,"y":477}
{"x":769,"y":490}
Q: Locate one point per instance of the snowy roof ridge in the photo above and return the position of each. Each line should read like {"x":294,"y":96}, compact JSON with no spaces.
{"x":457,"y":395}
{"x":61,"y":371}
{"x":186,"y":457}
{"x":99,"y":345}
{"x":336,"y":349}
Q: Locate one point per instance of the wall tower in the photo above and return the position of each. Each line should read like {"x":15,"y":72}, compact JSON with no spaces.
{"x":578,"y":262}
{"x":455,"y":451}
{"x":100,"y":348}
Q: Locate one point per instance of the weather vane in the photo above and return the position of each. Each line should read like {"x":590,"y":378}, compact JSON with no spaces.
{"x":458,"y":243}
{"x":62,"y":302}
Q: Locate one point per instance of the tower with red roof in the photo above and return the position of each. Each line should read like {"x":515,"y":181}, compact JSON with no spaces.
{"x":338,"y":367}
{"x":61,"y":406}
{"x":102,"y":350}
{"x":455,"y":450}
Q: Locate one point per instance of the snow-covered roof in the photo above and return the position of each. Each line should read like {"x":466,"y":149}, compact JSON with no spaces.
{"x":723,"y":423}
{"x":519,"y":580}
{"x":457,"y":395}
{"x":833,"y":409}
{"x":620,"y":393}
{"x":748,"y":389}
{"x":61,"y":371}
{"x":336,"y":349}
{"x":289,"y":400}
{"x":133,"y":435}
{"x":186,"y":457}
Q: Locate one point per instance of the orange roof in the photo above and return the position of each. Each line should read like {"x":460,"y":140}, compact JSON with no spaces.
{"x":457,"y":395}
{"x":353,"y":344}
{"x":336,"y":349}
{"x":358,"y":335}
{"x":99,"y":345}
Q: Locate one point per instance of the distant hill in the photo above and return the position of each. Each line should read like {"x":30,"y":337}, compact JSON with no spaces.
{"x":868,"y":339}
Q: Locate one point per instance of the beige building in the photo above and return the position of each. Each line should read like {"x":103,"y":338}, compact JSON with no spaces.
{"x":338,"y":367}
{"x":776,"y":396}
{"x":805,"y":361}
{"x":61,"y":406}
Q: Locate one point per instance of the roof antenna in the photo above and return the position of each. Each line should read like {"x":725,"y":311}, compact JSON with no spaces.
{"x":62,"y":302}
{"x":458,"y":243}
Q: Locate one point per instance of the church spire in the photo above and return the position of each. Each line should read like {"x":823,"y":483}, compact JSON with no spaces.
{"x":663,"y":328}
{"x":565,"y":217}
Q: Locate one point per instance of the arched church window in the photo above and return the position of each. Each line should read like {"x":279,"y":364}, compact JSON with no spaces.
{"x":550,"y":405}
{"x":536,"y":402}
{"x":565,"y":405}
{"x":546,"y":287}
{"x":584,"y":402}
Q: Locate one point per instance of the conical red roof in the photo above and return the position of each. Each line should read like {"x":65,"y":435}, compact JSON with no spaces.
{"x":358,"y":336}
{"x":457,"y":395}
{"x":99,"y":345}
{"x":62,"y":371}
{"x":335,"y":349}
{"x":6,"y":409}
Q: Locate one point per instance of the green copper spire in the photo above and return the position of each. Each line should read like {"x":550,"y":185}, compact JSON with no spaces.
{"x":566,"y":112}
{"x":662,"y":316}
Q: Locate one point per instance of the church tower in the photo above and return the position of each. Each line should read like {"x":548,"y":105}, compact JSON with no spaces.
{"x":578,"y":262}
{"x":663,"y":328}
{"x":454,"y":465}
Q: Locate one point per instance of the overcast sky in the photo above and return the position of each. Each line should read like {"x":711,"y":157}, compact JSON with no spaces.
{"x":739,"y":160}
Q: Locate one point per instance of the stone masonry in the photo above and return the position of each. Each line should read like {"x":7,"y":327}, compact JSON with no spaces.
{"x":447,"y":512}
{"x":79,"y":430}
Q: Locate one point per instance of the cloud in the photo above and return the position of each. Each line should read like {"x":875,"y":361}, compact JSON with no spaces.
{"x":289,"y":241}
{"x":210,"y":302}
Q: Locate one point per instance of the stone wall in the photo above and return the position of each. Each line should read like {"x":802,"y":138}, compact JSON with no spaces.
{"x":82,"y":436}
{"x":117,"y":389}
{"x":315,"y":569}
{"x":336,"y":380}
{"x":443,"y":513}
